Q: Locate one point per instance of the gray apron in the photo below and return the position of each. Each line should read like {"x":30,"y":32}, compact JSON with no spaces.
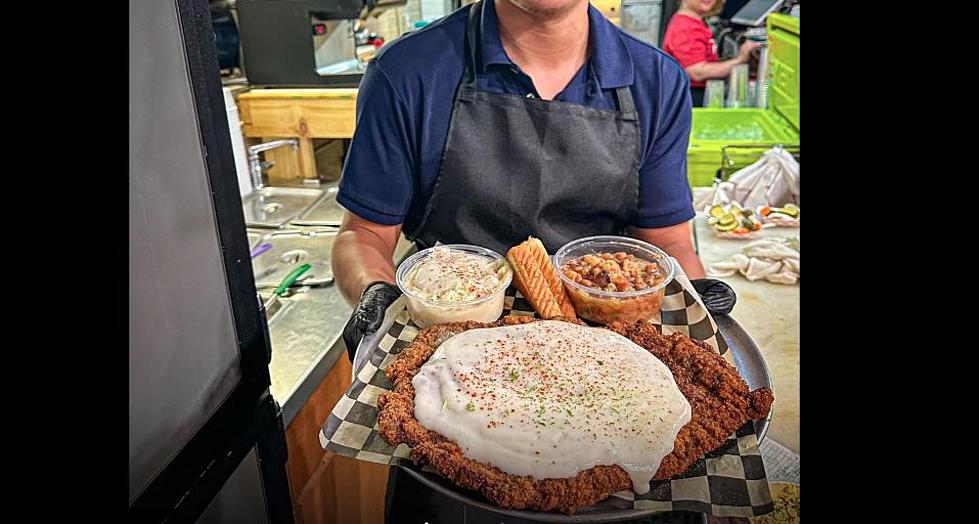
{"x":512,"y":167}
{"x":516,"y":166}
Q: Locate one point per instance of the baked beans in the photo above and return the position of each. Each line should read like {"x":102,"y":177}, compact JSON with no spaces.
{"x":613,"y":272}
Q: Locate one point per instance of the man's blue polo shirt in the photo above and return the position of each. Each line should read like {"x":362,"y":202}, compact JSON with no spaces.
{"x":405,"y":103}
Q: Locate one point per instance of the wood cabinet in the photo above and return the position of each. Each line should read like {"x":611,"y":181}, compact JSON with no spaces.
{"x":303,"y":114}
{"x":328,"y":488}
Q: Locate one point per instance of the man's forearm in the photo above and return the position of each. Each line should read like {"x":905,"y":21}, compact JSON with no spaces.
{"x":362,"y":253}
{"x":677,"y":242}
{"x":357,"y":262}
{"x":684,"y":254}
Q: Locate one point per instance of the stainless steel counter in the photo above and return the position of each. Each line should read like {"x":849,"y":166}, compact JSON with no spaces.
{"x":305,"y":345}
{"x":305,"y":332}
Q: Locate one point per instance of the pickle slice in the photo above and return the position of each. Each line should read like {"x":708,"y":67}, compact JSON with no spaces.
{"x":790,"y":209}
{"x":726,"y":227}
{"x":716,"y":211}
{"x":727,"y":220}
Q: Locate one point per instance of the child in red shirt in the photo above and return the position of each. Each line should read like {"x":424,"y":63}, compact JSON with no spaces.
{"x":689,"y":40}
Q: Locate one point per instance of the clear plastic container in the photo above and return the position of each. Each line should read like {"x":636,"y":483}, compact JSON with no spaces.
{"x":425,"y":311}
{"x":605,"y":307}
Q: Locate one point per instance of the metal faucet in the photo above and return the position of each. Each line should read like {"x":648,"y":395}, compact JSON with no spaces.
{"x":256,"y":166}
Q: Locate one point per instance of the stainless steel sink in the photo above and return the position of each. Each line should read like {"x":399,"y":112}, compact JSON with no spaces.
{"x":325,"y":212}
{"x":254,"y":238}
{"x":292,"y":248}
{"x":306,"y":322}
{"x":273,"y":207}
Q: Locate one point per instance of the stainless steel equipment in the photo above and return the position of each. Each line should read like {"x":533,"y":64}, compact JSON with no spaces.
{"x":206,"y":442}
{"x":325,"y":212}
{"x":272,"y":207}
{"x":729,"y":44}
{"x":293,"y":247}
{"x":758,"y":34}
{"x":335,"y":47}
{"x":642,"y":19}
{"x":303,"y":42}
{"x":257,"y":167}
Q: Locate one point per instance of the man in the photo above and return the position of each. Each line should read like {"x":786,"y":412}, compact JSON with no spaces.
{"x":511,"y":118}
{"x":554,"y":123}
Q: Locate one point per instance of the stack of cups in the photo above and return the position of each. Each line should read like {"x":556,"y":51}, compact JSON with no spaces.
{"x":714,"y":94}
{"x":737,"y":86}
{"x":761,"y":92}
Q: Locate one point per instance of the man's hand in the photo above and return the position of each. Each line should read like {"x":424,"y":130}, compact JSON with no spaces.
{"x":718,"y":297}
{"x":369,"y":314}
{"x":363,"y":267}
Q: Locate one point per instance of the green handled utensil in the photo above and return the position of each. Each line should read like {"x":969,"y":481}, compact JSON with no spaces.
{"x":273,"y":304}
{"x":290,"y":279}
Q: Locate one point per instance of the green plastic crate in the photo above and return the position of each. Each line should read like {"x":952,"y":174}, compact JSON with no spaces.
{"x":787,"y":22}
{"x":783,"y":66}
{"x":712,"y":129}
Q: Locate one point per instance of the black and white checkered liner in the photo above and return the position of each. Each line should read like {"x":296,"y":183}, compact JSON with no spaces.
{"x":729,"y":482}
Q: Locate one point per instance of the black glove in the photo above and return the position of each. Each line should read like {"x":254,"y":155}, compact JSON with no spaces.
{"x":369,"y":314}
{"x":718,"y":297}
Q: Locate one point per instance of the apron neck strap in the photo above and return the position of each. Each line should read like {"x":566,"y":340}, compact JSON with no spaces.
{"x":627,"y":108}
{"x":473,"y":38}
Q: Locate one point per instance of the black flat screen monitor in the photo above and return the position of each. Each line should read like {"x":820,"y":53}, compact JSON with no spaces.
{"x":754,"y":12}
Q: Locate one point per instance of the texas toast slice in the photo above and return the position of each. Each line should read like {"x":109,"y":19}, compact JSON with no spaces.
{"x":538,"y":281}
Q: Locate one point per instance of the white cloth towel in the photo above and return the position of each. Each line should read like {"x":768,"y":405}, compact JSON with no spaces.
{"x":773,"y":259}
